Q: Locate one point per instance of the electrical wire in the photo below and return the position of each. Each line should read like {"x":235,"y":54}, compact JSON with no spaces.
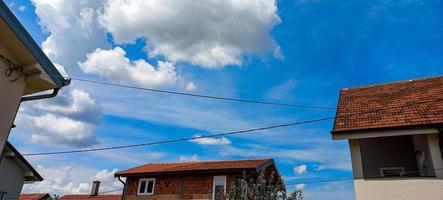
{"x":224,"y":134}
{"x":352,"y":178}
{"x":181,"y":139}
{"x":196,"y":95}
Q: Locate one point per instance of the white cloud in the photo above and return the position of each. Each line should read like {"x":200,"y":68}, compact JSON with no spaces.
{"x":114,"y":65}
{"x":73,"y":29}
{"x":66,"y":120}
{"x":57,"y":130}
{"x":190,"y":86}
{"x":300,"y":169}
{"x":206,"y":33}
{"x":22,"y":8}
{"x":75,"y":104}
{"x":300,"y":186}
{"x":72,"y":180}
{"x":211,"y":141}
{"x":192,"y":158}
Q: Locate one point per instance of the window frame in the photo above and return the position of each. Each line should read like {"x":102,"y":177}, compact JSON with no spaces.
{"x":146,"y":186}
{"x":213,"y":186}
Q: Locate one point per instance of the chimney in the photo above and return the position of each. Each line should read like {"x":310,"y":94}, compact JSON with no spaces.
{"x":95,"y":188}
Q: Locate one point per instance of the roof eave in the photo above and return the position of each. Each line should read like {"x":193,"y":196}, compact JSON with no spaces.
{"x":35,"y":50}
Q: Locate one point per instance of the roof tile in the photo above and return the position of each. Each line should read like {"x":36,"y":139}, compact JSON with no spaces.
{"x":399,"y":104}
{"x":195,"y":166}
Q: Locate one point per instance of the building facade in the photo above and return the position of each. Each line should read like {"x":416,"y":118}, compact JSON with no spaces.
{"x":15,"y":171}
{"x":395,"y":134}
{"x":189,"y":180}
{"x":24,"y":70}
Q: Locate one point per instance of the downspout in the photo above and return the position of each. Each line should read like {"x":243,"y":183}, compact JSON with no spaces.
{"x":124,"y":188}
{"x":440,"y":140}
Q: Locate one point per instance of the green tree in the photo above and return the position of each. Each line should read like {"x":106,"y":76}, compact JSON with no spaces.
{"x":261,"y":187}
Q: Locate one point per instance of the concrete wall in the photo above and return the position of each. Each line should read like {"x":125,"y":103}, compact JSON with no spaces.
{"x":395,"y":151}
{"x":10,"y":95}
{"x":11,"y":178}
{"x":404,"y":189}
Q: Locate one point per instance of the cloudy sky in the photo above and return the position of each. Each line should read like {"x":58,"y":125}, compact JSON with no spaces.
{"x":291,"y":51}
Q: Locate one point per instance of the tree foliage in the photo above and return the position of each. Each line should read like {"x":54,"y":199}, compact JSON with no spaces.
{"x":261,"y":187}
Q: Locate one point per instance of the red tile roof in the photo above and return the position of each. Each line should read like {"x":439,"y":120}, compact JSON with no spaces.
{"x":33,"y":196}
{"x":251,"y":164}
{"x":89,"y":197}
{"x":406,"y":103}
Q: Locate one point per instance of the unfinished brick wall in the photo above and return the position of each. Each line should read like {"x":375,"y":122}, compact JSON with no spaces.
{"x":170,"y":187}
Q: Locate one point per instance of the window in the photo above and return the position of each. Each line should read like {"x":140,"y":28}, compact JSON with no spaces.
{"x":219,"y":187}
{"x":146,"y":186}
{"x":2,"y":195}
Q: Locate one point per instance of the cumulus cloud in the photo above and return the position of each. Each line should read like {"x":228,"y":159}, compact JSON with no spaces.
{"x":300,"y":169}
{"x":66,"y":180}
{"x":211,"y":141}
{"x":76,"y":104}
{"x":205,"y":33}
{"x":192,"y":158}
{"x":66,"y":120}
{"x":114,"y":65}
{"x":58,"y":130}
{"x":73,"y":29}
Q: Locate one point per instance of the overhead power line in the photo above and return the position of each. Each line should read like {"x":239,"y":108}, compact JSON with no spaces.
{"x":221,"y":98}
{"x":181,"y":139}
{"x":229,"y":133}
{"x":351,"y":178}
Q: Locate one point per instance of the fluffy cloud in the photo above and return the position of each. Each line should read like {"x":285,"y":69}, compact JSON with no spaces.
{"x":76,"y":104}
{"x":300,"y":169}
{"x":66,"y":120}
{"x":66,"y":180}
{"x":73,"y":29}
{"x":192,"y":158}
{"x":114,"y":65}
{"x":58,"y":130}
{"x":206,"y":33}
{"x":211,"y":141}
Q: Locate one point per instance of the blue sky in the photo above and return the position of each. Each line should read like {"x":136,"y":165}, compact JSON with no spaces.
{"x":299,"y":51}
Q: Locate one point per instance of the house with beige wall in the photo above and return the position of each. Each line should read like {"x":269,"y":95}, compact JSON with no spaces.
{"x":24,"y":71}
{"x":395,"y":134}
{"x":15,"y":171}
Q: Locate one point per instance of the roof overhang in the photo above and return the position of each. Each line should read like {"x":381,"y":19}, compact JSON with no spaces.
{"x":20,"y":48}
{"x":238,"y":171}
{"x":29,"y":173}
{"x":384,"y":132}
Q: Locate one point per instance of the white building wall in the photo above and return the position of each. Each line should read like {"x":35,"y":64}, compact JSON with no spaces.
{"x":11,"y":178}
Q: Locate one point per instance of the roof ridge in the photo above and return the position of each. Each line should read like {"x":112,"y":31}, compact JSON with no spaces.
{"x":207,"y":161}
{"x":393,"y":82}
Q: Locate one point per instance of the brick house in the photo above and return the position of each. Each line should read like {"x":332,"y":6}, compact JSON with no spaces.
{"x":395,"y":134}
{"x":189,"y":180}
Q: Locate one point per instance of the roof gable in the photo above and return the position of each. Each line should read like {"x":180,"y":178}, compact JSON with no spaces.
{"x":392,"y":105}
